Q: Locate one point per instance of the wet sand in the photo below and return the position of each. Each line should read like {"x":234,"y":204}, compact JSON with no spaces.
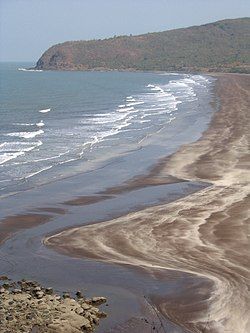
{"x":204,"y":234}
{"x":12,"y":224}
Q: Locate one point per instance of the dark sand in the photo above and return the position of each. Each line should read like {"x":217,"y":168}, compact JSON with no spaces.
{"x":204,"y":234}
{"x":13,"y":224}
{"x":148,"y":180}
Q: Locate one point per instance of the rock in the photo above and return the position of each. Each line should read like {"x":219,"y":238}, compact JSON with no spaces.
{"x":32,"y":283}
{"x":95,"y":320}
{"x":4,"y":278}
{"x":79,"y":311}
{"x":79,"y":294}
{"x":17,"y":291}
{"x":86,"y":326}
{"x":29,"y":282}
{"x":39,"y":294}
{"x":102,"y":314}
{"x":49,"y":291}
{"x":97,"y":300}
{"x":88,"y":301}
{"x":32,"y":304}
{"x":93,"y":310}
{"x":85,"y":306}
{"x":29,"y":316}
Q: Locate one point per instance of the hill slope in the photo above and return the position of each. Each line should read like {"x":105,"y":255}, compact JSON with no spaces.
{"x":219,"y":46}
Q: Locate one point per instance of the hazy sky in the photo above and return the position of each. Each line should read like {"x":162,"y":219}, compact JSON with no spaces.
{"x":29,"y":27}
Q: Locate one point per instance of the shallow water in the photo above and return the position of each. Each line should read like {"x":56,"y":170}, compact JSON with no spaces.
{"x":24,"y":255}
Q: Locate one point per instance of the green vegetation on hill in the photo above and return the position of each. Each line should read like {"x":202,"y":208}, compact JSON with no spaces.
{"x":220,"y":46}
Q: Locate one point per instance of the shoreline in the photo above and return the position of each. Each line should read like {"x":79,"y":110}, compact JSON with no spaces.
{"x":200,"y":71}
{"x":203,"y":234}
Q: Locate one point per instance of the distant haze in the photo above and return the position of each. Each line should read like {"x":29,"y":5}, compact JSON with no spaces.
{"x":29,"y":27}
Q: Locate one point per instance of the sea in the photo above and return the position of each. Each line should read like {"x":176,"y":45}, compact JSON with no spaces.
{"x":58,"y":124}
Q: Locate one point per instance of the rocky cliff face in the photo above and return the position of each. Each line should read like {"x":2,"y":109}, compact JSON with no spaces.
{"x":219,"y":46}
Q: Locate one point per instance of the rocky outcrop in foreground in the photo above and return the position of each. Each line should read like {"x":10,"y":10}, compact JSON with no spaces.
{"x":26,"y":306}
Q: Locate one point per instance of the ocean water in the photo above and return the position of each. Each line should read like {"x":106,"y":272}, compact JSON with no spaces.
{"x":54,"y":125}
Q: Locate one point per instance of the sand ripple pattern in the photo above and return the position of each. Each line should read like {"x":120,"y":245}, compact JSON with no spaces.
{"x":205,"y":233}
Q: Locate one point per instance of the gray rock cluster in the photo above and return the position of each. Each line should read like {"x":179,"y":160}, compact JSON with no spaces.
{"x":26,"y":306}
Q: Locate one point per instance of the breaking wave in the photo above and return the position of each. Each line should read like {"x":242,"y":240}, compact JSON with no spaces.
{"x":26,"y":135}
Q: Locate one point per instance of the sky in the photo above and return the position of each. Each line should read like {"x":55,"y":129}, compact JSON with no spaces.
{"x":29,"y":27}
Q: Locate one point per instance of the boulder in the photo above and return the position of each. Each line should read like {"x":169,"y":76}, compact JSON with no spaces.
{"x":39,"y":294}
{"x":97,"y":300}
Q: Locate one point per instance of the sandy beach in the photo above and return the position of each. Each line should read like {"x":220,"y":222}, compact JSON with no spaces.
{"x":203,"y":234}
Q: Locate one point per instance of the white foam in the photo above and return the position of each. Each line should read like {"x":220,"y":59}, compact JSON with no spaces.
{"x":40,"y":124}
{"x":134,"y":103}
{"x":11,"y":150}
{"x":156,"y":88}
{"x":126,"y":109}
{"x":26,"y":135}
{"x":171,"y":119}
{"x":5,"y":157}
{"x":23,"y":124}
{"x":102,"y":135}
{"x":154,"y":109}
{"x":67,"y":161}
{"x":42,"y":159}
{"x":176,"y":91}
{"x":29,"y":70}
{"x":19,"y":146}
{"x":39,"y":171}
{"x":144,"y":121}
{"x":45,"y":110}
{"x":108,"y":118}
